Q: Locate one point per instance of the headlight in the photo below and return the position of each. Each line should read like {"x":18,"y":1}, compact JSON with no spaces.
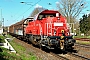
{"x":58,"y":18}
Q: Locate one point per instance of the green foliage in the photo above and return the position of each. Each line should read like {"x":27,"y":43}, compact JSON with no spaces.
{"x":7,"y":55}
{"x":2,"y":39}
{"x":85,"y":24}
{"x":88,"y":20}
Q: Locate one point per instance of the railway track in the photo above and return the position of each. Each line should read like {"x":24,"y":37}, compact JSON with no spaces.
{"x":83,"y":50}
{"x":70,"y":56}
{"x":80,"y":57}
{"x":59,"y":56}
{"x":82,"y":45}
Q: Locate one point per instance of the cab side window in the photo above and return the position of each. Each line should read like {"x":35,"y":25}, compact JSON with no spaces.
{"x":40,"y":17}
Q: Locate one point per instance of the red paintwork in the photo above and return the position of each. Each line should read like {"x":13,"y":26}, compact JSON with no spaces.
{"x":45,"y":26}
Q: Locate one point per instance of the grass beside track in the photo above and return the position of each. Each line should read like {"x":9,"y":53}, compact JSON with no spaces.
{"x":81,"y":36}
{"x":7,"y":55}
{"x":21,"y":54}
{"x":83,"y":42}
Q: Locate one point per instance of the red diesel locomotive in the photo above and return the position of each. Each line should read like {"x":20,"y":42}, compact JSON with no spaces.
{"x":48,"y":29}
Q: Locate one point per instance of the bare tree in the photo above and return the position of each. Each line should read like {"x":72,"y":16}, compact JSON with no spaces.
{"x":70,"y":8}
{"x":37,"y":10}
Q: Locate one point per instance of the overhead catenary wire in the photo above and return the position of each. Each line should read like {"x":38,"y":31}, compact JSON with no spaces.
{"x":18,"y":11}
{"x":27,"y":10}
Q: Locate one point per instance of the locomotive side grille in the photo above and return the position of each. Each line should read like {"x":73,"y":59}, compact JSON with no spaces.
{"x":49,"y":28}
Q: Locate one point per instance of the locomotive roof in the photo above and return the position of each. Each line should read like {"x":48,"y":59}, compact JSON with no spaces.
{"x":48,"y":12}
{"x":45,"y":12}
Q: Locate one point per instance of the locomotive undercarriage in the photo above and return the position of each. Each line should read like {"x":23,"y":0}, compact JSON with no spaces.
{"x":56,"y":42}
{"x":52,"y":42}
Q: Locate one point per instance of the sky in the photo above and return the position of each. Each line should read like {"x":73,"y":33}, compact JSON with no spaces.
{"x":13,"y":11}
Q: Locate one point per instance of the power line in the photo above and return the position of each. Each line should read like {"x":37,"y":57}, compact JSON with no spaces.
{"x":28,"y":9}
{"x":18,"y":11}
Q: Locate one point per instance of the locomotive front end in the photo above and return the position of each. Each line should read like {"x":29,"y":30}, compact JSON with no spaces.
{"x":57,"y":32}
